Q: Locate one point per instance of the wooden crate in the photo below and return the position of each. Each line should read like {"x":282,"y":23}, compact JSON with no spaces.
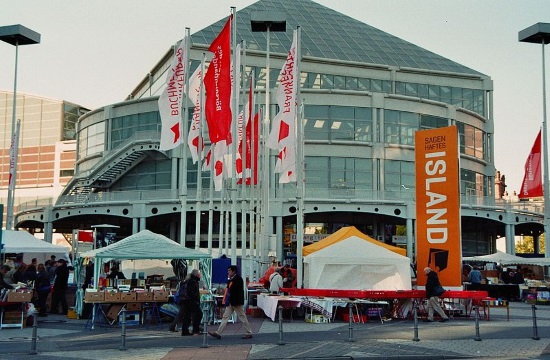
{"x":128,"y":296}
{"x":112,"y":296}
{"x":144,"y":296}
{"x":94,"y":296}
{"x":14,"y":296}
{"x":133,"y":306}
{"x":161,"y":295}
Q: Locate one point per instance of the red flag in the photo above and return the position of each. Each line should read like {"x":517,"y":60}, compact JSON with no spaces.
{"x":217,"y":82}
{"x":532,"y":180}
{"x":250,"y":140}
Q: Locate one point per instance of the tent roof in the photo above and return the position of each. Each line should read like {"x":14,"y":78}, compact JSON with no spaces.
{"x":22,"y":242}
{"x":354,"y":249}
{"x":146,"y":245}
{"x":507,"y":259}
{"x":344,"y":233}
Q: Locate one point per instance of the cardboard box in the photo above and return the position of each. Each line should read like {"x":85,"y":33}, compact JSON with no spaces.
{"x":94,"y":296}
{"x":71,"y":314}
{"x":112,"y":296}
{"x":114,"y":311}
{"x":144,"y":296}
{"x":19,"y":296}
{"x":127,"y":296}
{"x":133,"y":306}
{"x":316,"y":319}
{"x":160,"y":295}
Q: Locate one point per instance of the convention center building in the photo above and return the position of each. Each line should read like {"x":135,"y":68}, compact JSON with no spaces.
{"x":365,"y":94}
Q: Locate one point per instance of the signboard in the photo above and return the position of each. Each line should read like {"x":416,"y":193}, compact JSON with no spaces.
{"x":438,"y":204}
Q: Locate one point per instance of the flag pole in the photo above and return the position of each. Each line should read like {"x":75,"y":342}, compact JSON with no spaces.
{"x":246,"y":118}
{"x":235,"y":114}
{"x":200,"y":153}
{"x":183,"y":182}
{"x":300,"y":168}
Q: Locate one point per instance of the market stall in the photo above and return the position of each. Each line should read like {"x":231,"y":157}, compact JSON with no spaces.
{"x":356,"y":263}
{"x":147,"y":245}
{"x":16,"y":242}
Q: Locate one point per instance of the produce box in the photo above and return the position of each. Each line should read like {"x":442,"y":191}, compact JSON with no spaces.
{"x":161,"y":295}
{"x":19,"y":296}
{"x":316,"y":319}
{"x":127,"y":296}
{"x":133,"y":306}
{"x":94,"y":296}
{"x":144,"y":296}
{"x":112,"y":296}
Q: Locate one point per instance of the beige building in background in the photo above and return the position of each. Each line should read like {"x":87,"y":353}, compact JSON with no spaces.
{"x":47,"y":147}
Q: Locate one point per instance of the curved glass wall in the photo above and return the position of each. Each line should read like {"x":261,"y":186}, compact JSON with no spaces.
{"x":124,"y":127}
{"x":91,"y":140}
{"x":147,"y":175}
{"x":338,"y":173}
{"x":344,"y":123}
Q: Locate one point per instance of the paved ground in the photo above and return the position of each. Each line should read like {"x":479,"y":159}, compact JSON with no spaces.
{"x":61,"y":338}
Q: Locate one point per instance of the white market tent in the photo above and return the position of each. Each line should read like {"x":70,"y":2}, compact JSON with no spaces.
{"x":354,"y":263}
{"x":22,"y":242}
{"x":148,"y":245}
{"x":508,"y":259}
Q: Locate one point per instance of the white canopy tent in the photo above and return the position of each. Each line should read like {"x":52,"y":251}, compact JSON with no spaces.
{"x":148,"y":245}
{"x":508,"y":259}
{"x":356,"y":264}
{"x":16,"y":242}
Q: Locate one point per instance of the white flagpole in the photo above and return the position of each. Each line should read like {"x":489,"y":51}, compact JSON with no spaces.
{"x":300,"y":168}
{"x":200,"y":152}
{"x":244,"y":192}
{"x":221,"y":240}
{"x":183,"y":146}
{"x":233,"y":192}
{"x":264,"y":243}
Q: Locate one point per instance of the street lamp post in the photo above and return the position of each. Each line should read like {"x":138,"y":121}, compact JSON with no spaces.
{"x":15,"y":35}
{"x":540,"y":34}
{"x":266,"y":21}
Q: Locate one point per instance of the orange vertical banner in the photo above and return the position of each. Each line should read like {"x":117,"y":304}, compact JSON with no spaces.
{"x":438,"y":237}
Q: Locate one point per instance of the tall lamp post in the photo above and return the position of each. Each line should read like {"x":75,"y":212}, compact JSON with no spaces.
{"x":540,"y":34}
{"x":266,"y":21}
{"x":15,"y":35}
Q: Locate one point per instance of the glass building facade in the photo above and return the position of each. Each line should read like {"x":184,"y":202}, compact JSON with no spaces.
{"x":365,"y":95}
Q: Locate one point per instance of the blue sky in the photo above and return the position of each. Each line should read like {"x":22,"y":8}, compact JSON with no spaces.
{"x":94,"y":52}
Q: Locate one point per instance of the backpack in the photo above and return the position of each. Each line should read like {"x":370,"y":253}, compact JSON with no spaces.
{"x":182,"y":292}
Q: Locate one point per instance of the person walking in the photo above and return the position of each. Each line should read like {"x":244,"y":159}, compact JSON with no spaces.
{"x":433,"y":291}
{"x":60,"y":288}
{"x":192,"y":305}
{"x":234,"y":301}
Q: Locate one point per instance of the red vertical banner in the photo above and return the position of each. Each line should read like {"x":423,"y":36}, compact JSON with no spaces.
{"x":438,"y":205}
{"x":532,"y":180}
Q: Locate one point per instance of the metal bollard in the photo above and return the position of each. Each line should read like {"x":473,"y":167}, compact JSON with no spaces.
{"x":34,"y":335}
{"x":205,"y":315}
{"x":123,"y":331}
{"x":476,"y":310}
{"x":350,"y":336}
{"x":415,"y":307}
{"x":280,"y":342}
{"x":535,"y":332}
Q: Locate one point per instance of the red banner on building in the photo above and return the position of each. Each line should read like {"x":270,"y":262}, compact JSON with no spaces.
{"x":438,"y":205}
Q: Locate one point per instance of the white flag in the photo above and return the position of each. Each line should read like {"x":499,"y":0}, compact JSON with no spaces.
{"x":194,"y":136}
{"x":283,"y":130}
{"x":170,"y":101}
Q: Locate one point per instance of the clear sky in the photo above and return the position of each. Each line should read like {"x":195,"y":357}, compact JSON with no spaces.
{"x":94,"y":52}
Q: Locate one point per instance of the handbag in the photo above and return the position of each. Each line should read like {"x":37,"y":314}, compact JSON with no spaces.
{"x":439,"y":290}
